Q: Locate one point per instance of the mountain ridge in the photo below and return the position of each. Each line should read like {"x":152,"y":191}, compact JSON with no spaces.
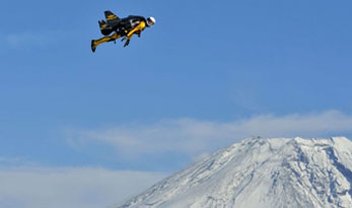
{"x":260,"y":172}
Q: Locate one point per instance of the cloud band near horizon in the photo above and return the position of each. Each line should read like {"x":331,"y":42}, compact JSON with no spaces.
{"x":193,"y":137}
{"x":29,"y":187}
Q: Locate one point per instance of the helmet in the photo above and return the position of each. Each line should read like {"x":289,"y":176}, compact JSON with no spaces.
{"x":150,"y":21}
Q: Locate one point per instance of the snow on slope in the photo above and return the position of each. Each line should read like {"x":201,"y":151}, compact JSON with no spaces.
{"x":270,"y":173}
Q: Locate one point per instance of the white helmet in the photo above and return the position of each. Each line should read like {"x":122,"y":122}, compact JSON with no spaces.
{"x":150,"y":21}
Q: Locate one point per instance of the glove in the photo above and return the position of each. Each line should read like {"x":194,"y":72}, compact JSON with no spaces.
{"x":127,"y":41}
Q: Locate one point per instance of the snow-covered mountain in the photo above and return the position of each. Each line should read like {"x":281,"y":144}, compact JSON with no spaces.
{"x":261,"y":173}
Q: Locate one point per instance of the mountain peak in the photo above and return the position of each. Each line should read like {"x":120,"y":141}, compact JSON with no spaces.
{"x":261,"y":172}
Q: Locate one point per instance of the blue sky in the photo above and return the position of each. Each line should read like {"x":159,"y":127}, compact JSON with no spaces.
{"x":207,"y":74}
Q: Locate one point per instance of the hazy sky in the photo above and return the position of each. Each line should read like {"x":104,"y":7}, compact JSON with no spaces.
{"x":206,"y":75}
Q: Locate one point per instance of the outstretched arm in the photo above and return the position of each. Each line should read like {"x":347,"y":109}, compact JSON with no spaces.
{"x":136,"y":30}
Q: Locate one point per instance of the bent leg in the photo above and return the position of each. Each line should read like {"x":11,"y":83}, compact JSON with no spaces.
{"x":105,"y":39}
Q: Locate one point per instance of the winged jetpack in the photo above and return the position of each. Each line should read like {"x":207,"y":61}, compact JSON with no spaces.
{"x":114,"y":28}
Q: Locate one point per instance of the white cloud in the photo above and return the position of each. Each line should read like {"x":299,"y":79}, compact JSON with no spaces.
{"x":38,"y":39}
{"x":15,"y":162}
{"x":193,"y":137}
{"x":70,"y":187}
{"x":97,"y":187}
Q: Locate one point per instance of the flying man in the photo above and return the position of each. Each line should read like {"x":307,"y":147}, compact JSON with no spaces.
{"x":114,"y":27}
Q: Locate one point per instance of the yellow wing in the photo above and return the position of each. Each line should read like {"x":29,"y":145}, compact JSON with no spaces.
{"x":110,"y":16}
